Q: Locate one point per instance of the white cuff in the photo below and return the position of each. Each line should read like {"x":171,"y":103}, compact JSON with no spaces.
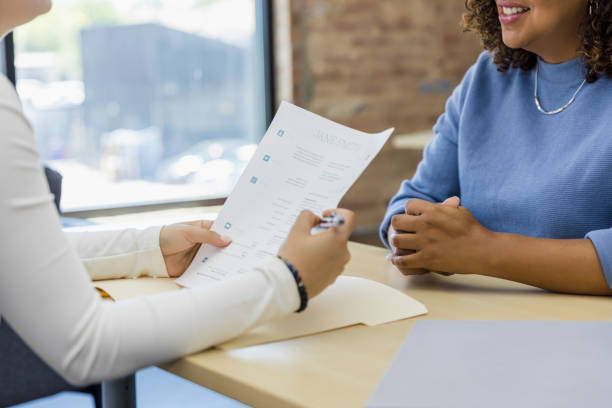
{"x":123,"y":254}
{"x":288,"y":294}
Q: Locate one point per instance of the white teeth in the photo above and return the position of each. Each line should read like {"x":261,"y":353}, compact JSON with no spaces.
{"x":513,"y":10}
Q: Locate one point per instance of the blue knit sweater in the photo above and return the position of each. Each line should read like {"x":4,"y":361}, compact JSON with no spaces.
{"x":516,"y":169}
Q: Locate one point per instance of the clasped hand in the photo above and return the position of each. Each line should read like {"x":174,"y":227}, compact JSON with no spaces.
{"x":443,"y":238}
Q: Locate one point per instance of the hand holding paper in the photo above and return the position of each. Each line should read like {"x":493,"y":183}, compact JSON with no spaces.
{"x":179,"y":243}
{"x":304,"y":162}
{"x":318,"y":258}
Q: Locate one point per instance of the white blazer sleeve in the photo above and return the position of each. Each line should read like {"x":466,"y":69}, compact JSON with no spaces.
{"x":47,"y":296}
{"x":127,"y":253}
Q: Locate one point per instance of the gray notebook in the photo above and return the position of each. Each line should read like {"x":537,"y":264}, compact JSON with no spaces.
{"x":500,"y":364}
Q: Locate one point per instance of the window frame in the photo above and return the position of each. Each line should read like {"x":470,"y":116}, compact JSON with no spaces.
{"x":2,"y":57}
{"x":8,"y":54}
{"x":264,"y":44}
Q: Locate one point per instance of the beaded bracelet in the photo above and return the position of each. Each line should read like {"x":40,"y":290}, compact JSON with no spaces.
{"x":300,"y":285}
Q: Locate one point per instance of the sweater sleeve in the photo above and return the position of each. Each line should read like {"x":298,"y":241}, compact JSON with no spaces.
{"x":128,"y":253}
{"x":602,"y":241}
{"x":47,"y":296}
{"x":437,"y":175}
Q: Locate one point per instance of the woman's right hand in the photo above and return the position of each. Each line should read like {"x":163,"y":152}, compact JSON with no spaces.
{"x":319,"y":258}
{"x":396,"y":237}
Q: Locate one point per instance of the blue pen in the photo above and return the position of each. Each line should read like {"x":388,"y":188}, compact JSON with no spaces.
{"x":333,"y":220}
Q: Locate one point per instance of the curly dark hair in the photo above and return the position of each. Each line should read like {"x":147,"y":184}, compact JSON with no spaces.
{"x":595,"y":38}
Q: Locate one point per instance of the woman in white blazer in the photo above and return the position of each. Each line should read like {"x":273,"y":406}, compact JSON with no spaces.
{"x":46,"y":294}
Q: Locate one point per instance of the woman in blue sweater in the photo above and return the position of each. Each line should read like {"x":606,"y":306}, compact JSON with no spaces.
{"x":526,"y":143}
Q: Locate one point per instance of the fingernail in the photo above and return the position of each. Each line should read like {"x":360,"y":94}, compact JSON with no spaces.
{"x":226,"y":239}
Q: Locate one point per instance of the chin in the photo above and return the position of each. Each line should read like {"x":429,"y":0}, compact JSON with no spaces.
{"x":45,"y":6}
{"x":512,"y":41}
{"x":38,"y":7}
{"x":34,"y":9}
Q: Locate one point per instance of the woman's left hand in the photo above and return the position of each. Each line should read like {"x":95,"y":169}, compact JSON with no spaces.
{"x":446,"y":239}
{"x":179,"y":244}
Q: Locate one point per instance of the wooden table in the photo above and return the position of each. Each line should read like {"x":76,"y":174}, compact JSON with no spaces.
{"x":341,"y":368}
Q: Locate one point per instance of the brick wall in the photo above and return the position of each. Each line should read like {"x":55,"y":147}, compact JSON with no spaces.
{"x":371,"y":65}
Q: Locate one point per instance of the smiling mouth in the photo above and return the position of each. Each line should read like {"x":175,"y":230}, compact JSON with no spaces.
{"x":512,"y":11}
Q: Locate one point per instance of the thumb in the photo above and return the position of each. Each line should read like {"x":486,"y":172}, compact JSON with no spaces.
{"x":305,"y":222}
{"x":452,"y":202}
{"x":199,"y":235}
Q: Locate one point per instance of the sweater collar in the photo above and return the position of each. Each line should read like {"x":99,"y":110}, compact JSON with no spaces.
{"x":566,"y":72}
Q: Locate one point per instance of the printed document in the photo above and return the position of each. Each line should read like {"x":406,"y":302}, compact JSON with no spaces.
{"x":303,"y":162}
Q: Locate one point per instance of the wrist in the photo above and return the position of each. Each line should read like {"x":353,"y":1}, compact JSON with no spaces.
{"x":301,"y":288}
{"x":489,"y":258}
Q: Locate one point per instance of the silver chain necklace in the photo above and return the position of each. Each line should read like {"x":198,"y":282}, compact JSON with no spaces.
{"x":561,"y":109}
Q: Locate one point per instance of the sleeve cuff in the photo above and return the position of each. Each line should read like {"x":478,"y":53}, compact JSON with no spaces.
{"x":395,"y":209}
{"x":602,"y":241}
{"x":288,"y":295}
{"x":142,"y":258}
{"x":151,"y":261}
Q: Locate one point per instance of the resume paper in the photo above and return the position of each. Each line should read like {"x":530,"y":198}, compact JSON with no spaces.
{"x":304,"y":162}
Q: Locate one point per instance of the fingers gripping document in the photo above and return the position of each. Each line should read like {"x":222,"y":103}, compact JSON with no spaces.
{"x":303,"y":162}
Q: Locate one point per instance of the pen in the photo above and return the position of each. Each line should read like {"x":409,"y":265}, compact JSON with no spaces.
{"x":333,"y":220}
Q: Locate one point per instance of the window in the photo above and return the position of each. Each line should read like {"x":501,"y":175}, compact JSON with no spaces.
{"x":2,"y":57}
{"x":145,"y":101}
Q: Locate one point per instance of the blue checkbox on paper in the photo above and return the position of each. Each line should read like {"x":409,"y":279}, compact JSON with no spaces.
{"x":228,"y":225}
{"x":280,"y":133}
{"x":253,"y":180}
{"x":266,"y":158}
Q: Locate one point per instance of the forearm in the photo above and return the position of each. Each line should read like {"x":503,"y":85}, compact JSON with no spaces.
{"x":125,"y":253}
{"x":568,"y":266}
